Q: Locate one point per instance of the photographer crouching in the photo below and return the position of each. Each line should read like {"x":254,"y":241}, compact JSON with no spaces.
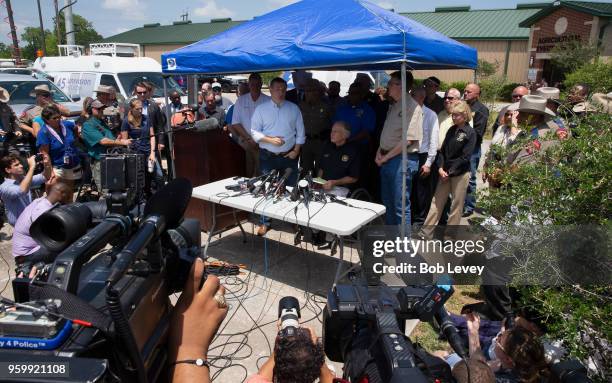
{"x":298,"y":355}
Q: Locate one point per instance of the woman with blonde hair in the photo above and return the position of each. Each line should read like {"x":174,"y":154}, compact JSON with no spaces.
{"x":137,"y":128}
{"x":453,"y":166}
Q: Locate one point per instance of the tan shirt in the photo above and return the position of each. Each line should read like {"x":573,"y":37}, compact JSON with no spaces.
{"x":392,"y":130}
{"x":445,"y":121}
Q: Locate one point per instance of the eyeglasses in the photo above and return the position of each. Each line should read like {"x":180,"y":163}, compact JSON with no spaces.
{"x":449,"y":98}
{"x":519,"y":96}
{"x":141,"y":93}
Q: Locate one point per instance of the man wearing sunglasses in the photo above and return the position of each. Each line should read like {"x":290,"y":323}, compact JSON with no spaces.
{"x":26,"y":119}
{"x":517,"y":94}
{"x":150,"y":109}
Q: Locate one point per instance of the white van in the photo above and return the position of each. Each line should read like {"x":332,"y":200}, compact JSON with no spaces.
{"x":113,"y":64}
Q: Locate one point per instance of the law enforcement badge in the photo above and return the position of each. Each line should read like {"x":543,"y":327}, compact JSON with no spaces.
{"x":345,"y":158}
{"x":461,"y":136}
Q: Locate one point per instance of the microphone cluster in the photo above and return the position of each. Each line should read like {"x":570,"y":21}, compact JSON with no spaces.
{"x":274,"y":185}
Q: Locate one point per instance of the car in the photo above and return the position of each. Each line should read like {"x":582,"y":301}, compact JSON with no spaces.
{"x":21,"y":86}
{"x":231,"y":83}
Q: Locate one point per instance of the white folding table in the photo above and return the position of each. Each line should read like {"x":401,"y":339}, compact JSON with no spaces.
{"x":331,"y":217}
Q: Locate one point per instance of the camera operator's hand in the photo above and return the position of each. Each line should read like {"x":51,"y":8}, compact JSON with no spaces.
{"x":195,"y":321}
{"x":473,"y":322}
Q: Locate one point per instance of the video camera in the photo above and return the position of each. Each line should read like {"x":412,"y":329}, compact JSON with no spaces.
{"x":103,"y":311}
{"x":364,"y":324}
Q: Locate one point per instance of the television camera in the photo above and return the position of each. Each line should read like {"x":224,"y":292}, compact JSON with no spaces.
{"x":364,"y":324}
{"x":102,"y":308}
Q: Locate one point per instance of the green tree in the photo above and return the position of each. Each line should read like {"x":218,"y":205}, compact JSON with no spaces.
{"x":5,"y":51}
{"x":85,"y":33}
{"x":597,"y":75}
{"x":569,"y":56}
{"x":485,"y":69}
{"x":31,"y":40}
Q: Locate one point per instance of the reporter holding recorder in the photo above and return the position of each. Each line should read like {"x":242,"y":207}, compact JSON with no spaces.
{"x":195,"y":321}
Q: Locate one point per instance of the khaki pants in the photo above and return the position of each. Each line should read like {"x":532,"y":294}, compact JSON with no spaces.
{"x":455,"y":186}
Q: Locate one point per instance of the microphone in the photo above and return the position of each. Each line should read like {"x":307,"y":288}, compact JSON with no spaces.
{"x":261,"y":186}
{"x":335,"y":199}
{"x":450,"y":332}
{"x":295,"y":192}
{"x":280,"y":185}
{"x":304,"y":188}
{"x":205,"y":125}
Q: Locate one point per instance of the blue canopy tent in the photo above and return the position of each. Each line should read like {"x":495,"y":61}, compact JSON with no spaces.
{"x":323,"y":34}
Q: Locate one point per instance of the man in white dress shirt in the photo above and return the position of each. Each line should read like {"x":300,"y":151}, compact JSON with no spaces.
{"x":241,"y":122}
{"x":424,"y":186}
{"x":278,"y":128}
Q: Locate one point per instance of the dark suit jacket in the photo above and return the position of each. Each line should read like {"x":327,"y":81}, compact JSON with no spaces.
{"x":481,"y":117}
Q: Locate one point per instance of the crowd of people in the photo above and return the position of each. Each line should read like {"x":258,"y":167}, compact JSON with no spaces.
{"x":346,"y":143}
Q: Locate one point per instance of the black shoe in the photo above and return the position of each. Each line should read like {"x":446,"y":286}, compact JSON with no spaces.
{"x":467,"y":213}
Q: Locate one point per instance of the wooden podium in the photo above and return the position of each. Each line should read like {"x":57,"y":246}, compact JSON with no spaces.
{"x":204,"y":157}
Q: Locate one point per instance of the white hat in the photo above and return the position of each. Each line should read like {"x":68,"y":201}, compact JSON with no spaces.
{"x":548,"y":92}
{"x":533,"y":105}
{"x":216,"y":85}
{"x":5,"y":96}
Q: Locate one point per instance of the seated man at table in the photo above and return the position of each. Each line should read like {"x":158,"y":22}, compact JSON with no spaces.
{"x":339,"y":161}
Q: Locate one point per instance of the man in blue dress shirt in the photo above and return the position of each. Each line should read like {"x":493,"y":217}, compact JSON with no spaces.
{"x":278,"y":128}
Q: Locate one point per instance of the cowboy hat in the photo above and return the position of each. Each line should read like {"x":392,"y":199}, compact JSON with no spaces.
{"x":533,"y":105}
{"x":603,"y":101}
{"x":40,"y":89}
{"x":5,"y":96}
{"x":548,"y":92}
{"x":105,"y":89}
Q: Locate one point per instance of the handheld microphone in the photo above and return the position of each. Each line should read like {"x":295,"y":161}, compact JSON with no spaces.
{"x":280,"y":186}
{"x":450,"y":332}
{"x":258,"y":188}
{"x":304,"y":188}
{"x":335,"y":199}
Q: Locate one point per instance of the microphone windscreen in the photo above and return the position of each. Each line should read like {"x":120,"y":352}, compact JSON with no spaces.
{"x":303,"y":184}
{"x":206,"y":125}
{"x":170,"y":201}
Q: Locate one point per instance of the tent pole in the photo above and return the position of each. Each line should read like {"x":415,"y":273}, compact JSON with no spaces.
{"x":170,"y":149}
{"x":404,"y":149}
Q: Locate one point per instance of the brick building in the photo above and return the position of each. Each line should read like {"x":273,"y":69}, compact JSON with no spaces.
{"x":566,"y":21}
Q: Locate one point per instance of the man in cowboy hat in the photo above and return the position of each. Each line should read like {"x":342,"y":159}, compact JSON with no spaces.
{"x":43,"y":98}
{"x":107,"y":95}
{"x":9,"y":127}
{"x":603,"y":102}
{"x":552,"y":96}
{"x":578,"y":97}
{"x":535,"y":119}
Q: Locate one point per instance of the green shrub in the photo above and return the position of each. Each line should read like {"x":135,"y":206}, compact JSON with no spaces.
{"x":506,"y":91}
{"x":266,"y":77}
{"x":597,"y":75}
{"x":568,"y":184}
{"x":458,"y":85}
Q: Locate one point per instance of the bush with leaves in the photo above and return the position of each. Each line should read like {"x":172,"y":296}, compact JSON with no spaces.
{"x":597,"y":75}
{"x":569,"y":184}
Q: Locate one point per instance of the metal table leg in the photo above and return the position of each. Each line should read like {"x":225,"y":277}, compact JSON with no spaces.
{"x":212,"y":229}
{"x":237,"y":222}
{"x":339,"y":269}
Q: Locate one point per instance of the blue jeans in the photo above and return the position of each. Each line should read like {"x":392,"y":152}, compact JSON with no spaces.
{"x":269,"y":162}
{"x":391,"y":187}
{"x":470,"y":197}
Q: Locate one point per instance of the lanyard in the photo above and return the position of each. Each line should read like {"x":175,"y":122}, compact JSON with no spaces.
{"x":54,"y":133}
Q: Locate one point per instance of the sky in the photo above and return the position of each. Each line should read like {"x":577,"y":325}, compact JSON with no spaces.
{"x":110,"y":17}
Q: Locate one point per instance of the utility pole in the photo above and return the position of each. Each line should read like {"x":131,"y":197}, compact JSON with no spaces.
{"x":68,"y":21}
{"x":42,"y":30}
{"x":16,"y":53}
{"x":58,"y":33}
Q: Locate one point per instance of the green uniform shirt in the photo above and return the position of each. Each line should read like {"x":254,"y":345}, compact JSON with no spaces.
{"x":92,"y":133}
